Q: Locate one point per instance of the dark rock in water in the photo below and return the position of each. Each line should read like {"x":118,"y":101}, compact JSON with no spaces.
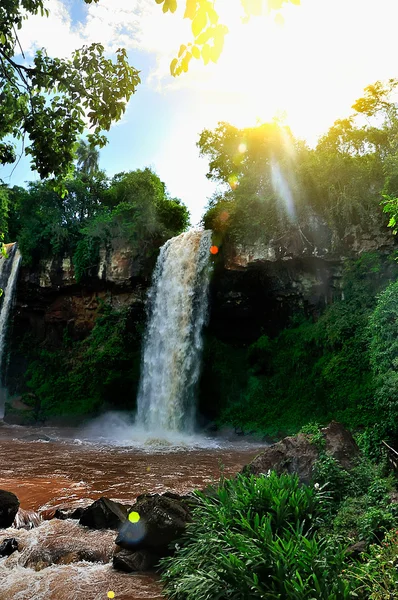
{"x":41,"y":558}
{"x":298,"y":454}
{"x":127,"y":561}
{"x":104,"y":514}
{"x":9,"y":505}
{"x":71,"y":513}
{"x":37,"y":437}
{"x":8,"y":546}
{"x":162,"y":520}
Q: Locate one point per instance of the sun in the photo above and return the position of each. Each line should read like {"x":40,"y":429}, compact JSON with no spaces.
{"x":288,"y":63}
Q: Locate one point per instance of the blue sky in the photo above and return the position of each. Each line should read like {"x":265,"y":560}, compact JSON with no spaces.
{"x":312,"y":68}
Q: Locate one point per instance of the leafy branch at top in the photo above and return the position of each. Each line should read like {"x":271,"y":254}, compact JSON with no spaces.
{"x":53,"y":100}
{"x":208,"y":33}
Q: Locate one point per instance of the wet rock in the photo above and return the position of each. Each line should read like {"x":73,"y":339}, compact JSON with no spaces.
{"x":297,"y":454}
{"x":71,"y":513}
{"x":104,"y":514}
{"x":290,"y":455}
{"x":340,"y":444}
{"x":355,"y":550}
{"x":41,"y":558}
{"x":162,"y":521}
{"x":129,"y":562}
{"x":9,"y":505}
{"x":8,"y":546}
{"x":62,"y":543}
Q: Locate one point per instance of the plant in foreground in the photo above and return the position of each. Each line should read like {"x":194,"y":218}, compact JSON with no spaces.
{"x":257,"y":537}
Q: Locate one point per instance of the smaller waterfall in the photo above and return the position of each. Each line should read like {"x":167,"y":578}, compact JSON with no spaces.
{"x":8,"y":278}
{"x":173,"y":341}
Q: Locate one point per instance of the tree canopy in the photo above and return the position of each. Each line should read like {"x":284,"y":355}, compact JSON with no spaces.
{"x":269,"y":180}
{"x":53,"y":100}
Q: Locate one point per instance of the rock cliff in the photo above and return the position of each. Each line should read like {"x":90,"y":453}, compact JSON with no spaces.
{"x":255,"y":286}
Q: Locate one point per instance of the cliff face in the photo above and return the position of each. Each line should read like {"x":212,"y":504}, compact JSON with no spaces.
{"x":50,"y":302}
{"x":257,"y":287}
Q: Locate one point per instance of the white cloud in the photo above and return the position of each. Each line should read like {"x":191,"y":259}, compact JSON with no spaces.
{"x":55,"y":33}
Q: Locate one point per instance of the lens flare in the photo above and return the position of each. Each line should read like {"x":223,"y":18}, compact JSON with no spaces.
{"x":134,"y":517}
{"x":233,"y":182}
{"x":242,"y":148}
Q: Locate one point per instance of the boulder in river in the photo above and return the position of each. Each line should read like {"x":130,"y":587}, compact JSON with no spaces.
{"x":104,"y":514}
{"x":69,"y":513}
{"x":8,"y":546}
{"x":298,"y":454}
{"x":129,"y":562}
{"x":9,"y":505}
{"x":161,"y":521}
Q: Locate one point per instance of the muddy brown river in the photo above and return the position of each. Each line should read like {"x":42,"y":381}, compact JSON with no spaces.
{"x":72,"y":470}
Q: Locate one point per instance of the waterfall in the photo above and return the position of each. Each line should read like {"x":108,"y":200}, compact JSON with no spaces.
{"x":8,"y":279}
{"x":177,"y":311}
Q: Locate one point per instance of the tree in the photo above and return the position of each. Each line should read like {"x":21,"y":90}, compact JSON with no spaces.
{"x":87,"y":157}
{"x":50,"y":100}
{"x":268,"y":179}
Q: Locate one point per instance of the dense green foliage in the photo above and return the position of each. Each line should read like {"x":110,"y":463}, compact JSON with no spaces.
{"x":134,"y":208}
{"x":84,"y":377}
{"x":319,"y":369}
{"x":269,"y":537}
{"x":257,"y":538}
{"x":376,"y":577}
{"x":270,"y":182}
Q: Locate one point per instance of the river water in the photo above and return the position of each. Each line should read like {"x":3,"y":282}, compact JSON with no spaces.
{"x":71,"y":470}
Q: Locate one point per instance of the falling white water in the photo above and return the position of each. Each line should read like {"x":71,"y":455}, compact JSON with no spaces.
{"x":8,"y":278}
{"x":177,"y":311}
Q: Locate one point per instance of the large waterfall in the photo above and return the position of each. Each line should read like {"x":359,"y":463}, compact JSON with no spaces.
{"x":8,"y":278}
{"x":177,"y":311}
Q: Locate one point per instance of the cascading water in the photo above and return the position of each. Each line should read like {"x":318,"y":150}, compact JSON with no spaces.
{"x":177,"y":311}
{"x":8,"y":278}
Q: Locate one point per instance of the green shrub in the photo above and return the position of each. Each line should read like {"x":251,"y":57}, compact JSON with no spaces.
{"x":376,"y":577}
{"x":316,"y":436}
{"x":319,"y":370}
{"x":83,"y":377}
{"x":328,"y":471}
{"x":257,"y":537}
